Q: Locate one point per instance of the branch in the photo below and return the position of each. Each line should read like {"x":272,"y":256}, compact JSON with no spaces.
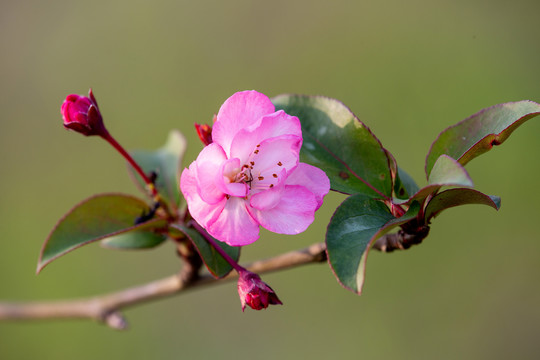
{"x":106,"y":308}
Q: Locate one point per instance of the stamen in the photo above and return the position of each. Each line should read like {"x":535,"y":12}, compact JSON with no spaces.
{"x":256,"y":151}
{"x":259,"y":145}
{"x":252,"y":163}
{"x":280,"y":164}
{"x":261,"y":177}
{"x":271,"y":185}
{"x":274,"y":175}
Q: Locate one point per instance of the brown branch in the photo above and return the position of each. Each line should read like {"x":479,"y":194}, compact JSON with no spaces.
{"x":106,"y":308}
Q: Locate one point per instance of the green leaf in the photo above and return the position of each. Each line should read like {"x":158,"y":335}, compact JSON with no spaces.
{"x":353,"y":229}
{"x":134,"y":240}
{"x":446,"y":172}
{"x":461,"y":196}
{"x":94,"y":219}
{"x":166,"y":163}
{"x":480,"y":132}
{"x":214,"y":262}
{"x":404,"y":186}
{"x":337,"y":142}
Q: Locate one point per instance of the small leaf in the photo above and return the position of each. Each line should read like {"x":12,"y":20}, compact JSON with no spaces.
{"x":353,"y":229}
{"x":134,"y":240}
{"x":446,"y":172}
{"x":94,"y":219}
{"x":461,"y":196}
{"x":478,"y":133}
{"x":336,"y":141}
{"x":405,"y":185}
{"x":214,"y":262}
{"x":166,"y":163}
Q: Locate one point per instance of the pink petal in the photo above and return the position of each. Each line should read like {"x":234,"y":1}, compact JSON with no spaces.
{"x":292,"y":215}
{"x":272,"y":157}
{"x":237,"y":112}
{"x":201,"y":211}
{"x":270,"y":198}
{"x":270,"y":126}
{"x":235,"y":226}
{"x":312,"y":178}
{"x":208,"y":165}
{"x":226,"y":176}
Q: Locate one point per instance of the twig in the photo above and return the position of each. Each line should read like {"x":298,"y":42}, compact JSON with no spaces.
{"x":106,"y":308}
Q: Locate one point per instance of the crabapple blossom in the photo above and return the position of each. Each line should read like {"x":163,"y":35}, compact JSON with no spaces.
{"x":250,"y":175}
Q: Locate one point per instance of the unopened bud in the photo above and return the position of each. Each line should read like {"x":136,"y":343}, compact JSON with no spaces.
{"x":205,"y":133}
{"x":255,"y":292}
{"x":81,"y":114}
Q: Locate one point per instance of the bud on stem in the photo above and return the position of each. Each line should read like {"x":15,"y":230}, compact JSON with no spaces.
{"x":251,"y":289}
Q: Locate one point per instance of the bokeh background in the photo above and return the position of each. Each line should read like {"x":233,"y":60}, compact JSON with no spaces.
{"x":408,"y":69}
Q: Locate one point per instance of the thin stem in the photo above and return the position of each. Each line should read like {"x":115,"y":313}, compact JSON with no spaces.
{"x":149,"y":183}
{"x":132,"y":162}
{"x":218,"y":248}
{"x":106,"y":308}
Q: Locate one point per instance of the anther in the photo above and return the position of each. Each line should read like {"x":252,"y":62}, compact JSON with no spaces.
{"x":256,"y":151}
{"x":252,"y":163}
{"x":271,"y":185}
{"x":280,"y":164}
{"x":261,"y":177}
{"x":274,"y":175}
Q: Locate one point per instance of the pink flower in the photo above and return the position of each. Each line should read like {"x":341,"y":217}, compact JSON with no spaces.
{"x":81,"y":114}
{"x":250,"y":175}
{"x":255,"y":292}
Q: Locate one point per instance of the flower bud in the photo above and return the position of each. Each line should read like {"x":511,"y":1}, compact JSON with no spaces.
{"x":254,"y":292}
{"x":205,"y":133}
{"x":81,"y":114}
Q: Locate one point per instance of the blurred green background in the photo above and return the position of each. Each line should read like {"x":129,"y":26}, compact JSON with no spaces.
{"x":408,"y":69}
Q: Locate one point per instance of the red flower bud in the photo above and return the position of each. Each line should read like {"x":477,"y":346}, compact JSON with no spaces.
{"x":81,"y":114}
{"x":205,"y":133}
{"x":254,"y":292}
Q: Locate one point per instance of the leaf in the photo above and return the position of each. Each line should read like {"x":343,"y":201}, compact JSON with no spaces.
{"x":405,"y":185}
{"x":340,"y":144}
{"x":446,"y":172}
{"x":94,"y":219}
{"x":353,"y":229}
{"x":134,"y":240}
{"x":166,"y":163}
{"x":214,"y":262}
{"x":480,"y":132}
{"x":455,"y":197}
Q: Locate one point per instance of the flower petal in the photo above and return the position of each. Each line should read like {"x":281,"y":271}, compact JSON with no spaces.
{"x":270,"y":198}
{"x":270,"y":126}
{"x":292,"y":215}
{"x":312,"y":178}
{"x":226,"y":176}
{"x":237,"y":112}
{"x":271,"y":158}
{"x":208,"y":166}
{"x":201,"y":211}
{"x":235,"y":226}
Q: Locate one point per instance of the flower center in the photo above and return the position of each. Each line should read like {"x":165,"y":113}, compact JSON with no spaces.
{"x":259,"y":175}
